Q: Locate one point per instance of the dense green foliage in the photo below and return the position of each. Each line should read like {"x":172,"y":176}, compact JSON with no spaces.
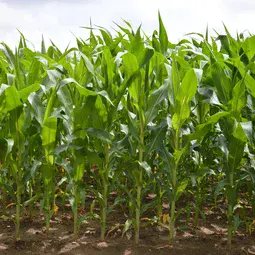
{"x":132,"y":114}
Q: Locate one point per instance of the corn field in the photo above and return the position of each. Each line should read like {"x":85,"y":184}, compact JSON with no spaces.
{"x":131,"y":115}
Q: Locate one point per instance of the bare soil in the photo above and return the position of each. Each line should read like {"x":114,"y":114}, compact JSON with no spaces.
{"x":209,"y":238}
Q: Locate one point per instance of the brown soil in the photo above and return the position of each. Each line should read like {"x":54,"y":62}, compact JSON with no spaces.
{"x":209,"y":238}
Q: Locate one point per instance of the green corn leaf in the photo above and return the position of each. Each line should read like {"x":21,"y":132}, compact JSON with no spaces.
{"x":186,"y":92}
{"x":180,"y":189}
{"x":24,"y":93}
{"x":202,"y":129}
{"x":100,"y":134}
{"x":238,"y":101}
{"x":146,"y":57}
{"x":239,"y":133}
{"x":154,"y":101}
{"x":49,"y":131}
{"x":146,"y":167}
{"x":127,"y":226}
{"x":163,"y":38}
{"x":12,"y":99}
{"x":157,"y":138}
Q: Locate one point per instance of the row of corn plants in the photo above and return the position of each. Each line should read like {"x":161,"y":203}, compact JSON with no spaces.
{"x":128,"y":113}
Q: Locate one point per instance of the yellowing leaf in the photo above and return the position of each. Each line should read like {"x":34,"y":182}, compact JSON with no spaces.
{"x":165,"y":218}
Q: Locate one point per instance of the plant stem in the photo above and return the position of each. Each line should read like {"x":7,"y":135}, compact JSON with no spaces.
{"x":199,"y":192}
{"x":4,"y":201}
{"x":230,"y":224}
{"x":140,"y":183}
{"x":253,"y":206}
{"x":159,"y":205}
{"x":137,"y":213}
{"x":105,"y":193}
{"x":174,"y":180}
{"x":103,"y":214}
{"x":47,"y":208}
{"x":197,"y":206}
{"x":75,"y":213}
{"x":18,"y":179}
{"x":53,"y":198}
{"x":18,"y":197}
{"x":172,"y":215}
{"x":230,"y":208}
{"x":31,"y":206}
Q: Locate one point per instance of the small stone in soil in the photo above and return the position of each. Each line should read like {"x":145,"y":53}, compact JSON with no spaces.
{"x":219,"y":229}
{"x":127,"y":252}
{"x":68,"y":247}
{"x":186,"y":234}
{"x":3,"y":247}
{"x":64,"y":237}
{"x":102,"y":245}
{"x":32,"y":231}
{"x":207,"y":231}
{"x":83,"y":238}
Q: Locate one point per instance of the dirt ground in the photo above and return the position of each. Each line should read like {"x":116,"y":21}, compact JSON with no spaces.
{"x":209,"y":238}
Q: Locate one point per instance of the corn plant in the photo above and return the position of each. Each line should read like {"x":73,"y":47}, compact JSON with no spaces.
{"x":230,"y":87}
{"x":115,"y":107}
{"x":13,"y":101}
